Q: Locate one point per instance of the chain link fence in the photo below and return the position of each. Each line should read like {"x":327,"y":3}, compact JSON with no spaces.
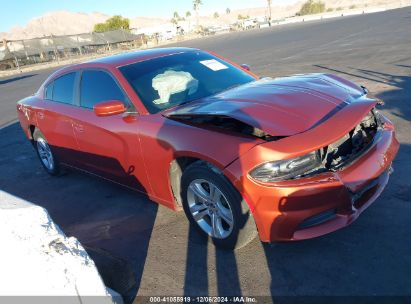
{"x":17,"y":53}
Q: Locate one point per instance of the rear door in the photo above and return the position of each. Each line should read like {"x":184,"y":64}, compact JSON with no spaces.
{"x":55,"y":117}
{"x":110,"y":145}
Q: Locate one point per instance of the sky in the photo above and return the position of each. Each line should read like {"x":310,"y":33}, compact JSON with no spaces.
{"x":20,"y":12}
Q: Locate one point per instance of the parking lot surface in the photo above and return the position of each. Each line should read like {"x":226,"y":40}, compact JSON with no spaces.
{"x":141,"y":248}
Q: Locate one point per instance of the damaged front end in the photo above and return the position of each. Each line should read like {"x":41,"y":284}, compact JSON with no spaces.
{"x":223,"y":123}
{"x":342,"y":152}
{"x":332,"y":157}
{"x":351,"y":146}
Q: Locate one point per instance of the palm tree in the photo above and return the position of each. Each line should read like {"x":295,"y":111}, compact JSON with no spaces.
{"x":227,"y":11}
{"x":176,"y":16}
{"x":196,"y":7}
{"x":188,"y":15}
{"x":216,"y":15}
{"x":269,"y":10}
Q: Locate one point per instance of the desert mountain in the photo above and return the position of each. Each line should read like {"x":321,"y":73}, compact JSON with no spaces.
{"x":61,"y":22}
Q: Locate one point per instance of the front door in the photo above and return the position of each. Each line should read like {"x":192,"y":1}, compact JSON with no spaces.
{"x":109,"y":146}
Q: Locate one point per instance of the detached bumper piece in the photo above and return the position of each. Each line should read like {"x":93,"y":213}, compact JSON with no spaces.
{"x":318,"y":219}
{"x":358,"y":200}
{"x":346,"y":212}
{"x":361,"y":197}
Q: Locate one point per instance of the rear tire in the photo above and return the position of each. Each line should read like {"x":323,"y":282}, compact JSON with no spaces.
{"x":215,"y":208}
{"x":47,"y":158}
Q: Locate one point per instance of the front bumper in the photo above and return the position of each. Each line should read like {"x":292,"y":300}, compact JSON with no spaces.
{"x":313,"y":206}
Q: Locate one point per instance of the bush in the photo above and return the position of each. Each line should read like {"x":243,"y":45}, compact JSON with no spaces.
{"x":241,"y":17}
{"x":353,"y":6}
{"x":330,"y":9}
{"x":114,"y":23}
{"x":339,"y":8}
{"x":312,"y":7}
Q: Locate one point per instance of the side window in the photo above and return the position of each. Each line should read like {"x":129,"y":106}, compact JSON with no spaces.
{"x":98,"y":86}
{"x":63,"y":88}
{"x":49,"y":91}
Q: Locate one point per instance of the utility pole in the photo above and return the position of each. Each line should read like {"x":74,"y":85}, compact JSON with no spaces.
{"x":25,"y":50}
{"x":79,"y":46}
{"x":55,"y":49}
{"x":17,"y":62}
{"x":269,"y":10}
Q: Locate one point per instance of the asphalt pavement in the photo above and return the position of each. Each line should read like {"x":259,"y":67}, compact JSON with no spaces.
{"x":141,"y":248}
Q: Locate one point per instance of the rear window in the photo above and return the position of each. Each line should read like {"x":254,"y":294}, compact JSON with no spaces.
{"x":63,"y":88}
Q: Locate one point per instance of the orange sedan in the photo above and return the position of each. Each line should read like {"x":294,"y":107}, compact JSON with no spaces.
{"x":288,"y":158}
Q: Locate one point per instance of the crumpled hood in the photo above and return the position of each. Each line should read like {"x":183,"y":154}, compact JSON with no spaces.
{"x":281,"y":106}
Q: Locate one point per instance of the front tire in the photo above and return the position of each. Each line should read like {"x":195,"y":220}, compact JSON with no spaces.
{"x":215,"y":208}
{"x":45,"y":154}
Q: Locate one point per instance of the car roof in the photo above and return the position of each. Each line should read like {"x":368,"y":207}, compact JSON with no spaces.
{"x":118,"y":60}
{"x":137,"y":56}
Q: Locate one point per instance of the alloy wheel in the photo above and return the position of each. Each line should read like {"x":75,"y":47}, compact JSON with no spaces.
{"x":210,"y":208}
{"x":45,"y":153}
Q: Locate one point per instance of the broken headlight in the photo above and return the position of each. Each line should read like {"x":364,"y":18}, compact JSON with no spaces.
{"x":286,"y":169}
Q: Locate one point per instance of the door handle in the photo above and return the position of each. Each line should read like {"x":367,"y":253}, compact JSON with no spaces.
{"x":79,"y":128}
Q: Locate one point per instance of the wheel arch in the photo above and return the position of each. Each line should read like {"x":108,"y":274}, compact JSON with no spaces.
{"x":246,"y":227}
{"x":180,"y":163}
{"x":32,"y":128}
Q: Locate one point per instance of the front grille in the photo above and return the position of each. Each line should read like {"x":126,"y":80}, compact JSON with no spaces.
{"x":351,"y":145}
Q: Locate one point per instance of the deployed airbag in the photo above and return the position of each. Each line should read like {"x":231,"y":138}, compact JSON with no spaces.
{"x":172,"y":82}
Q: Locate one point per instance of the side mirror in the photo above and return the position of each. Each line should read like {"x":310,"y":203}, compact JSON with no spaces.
{"x":108,"y":108}
{"x":245,"y":67}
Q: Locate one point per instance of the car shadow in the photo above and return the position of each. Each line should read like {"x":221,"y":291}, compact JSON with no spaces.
{"x":113,"y":224}
{"x":197,"y":266}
